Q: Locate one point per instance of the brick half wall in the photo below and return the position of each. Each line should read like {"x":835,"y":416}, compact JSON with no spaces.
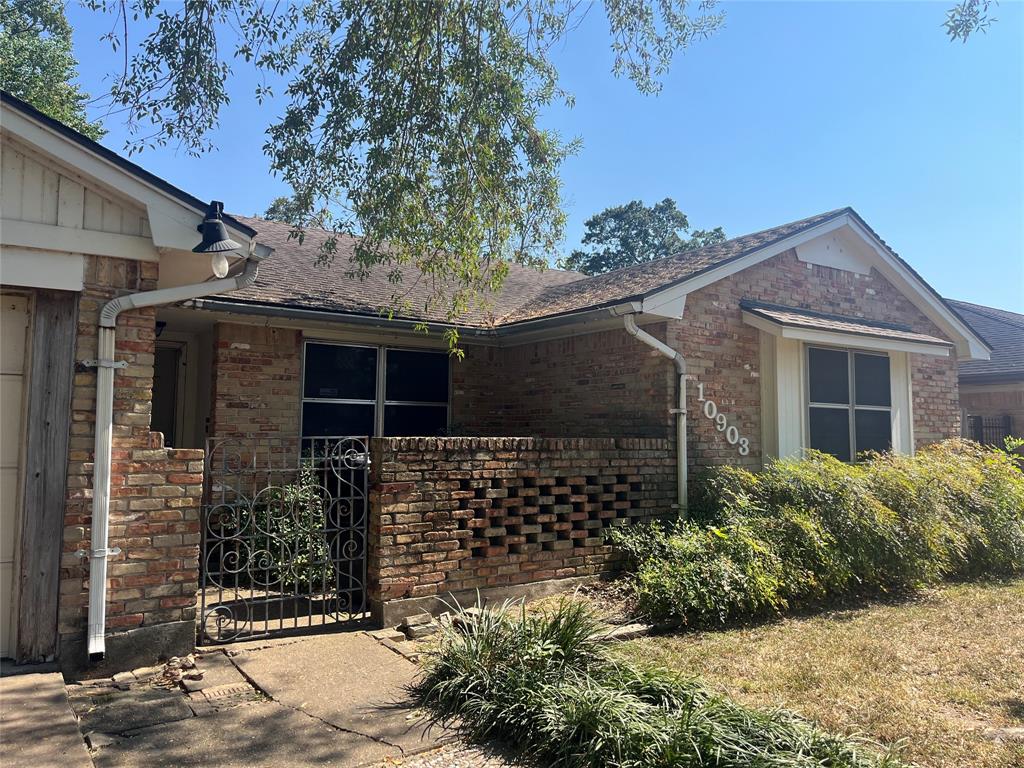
{"x":457,"y":514}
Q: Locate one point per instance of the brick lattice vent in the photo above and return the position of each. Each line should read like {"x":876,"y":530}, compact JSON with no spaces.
{"x":530,"y":514}
{"x":453,"y":514}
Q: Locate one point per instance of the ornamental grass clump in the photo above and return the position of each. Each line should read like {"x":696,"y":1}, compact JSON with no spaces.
{"x":816,"y":528}
{"x":548,"y":686}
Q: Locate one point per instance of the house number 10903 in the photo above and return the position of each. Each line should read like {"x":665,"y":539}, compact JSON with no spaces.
{"x":732,"y":434}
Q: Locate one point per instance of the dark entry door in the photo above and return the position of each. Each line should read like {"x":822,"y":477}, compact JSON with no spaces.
{"x":166,"y":382}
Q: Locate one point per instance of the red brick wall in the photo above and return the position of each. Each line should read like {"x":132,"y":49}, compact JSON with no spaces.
{"x":604,"y":384}
{"x":723,"y":352}
{"x":257,"y":373}
{"x":466,"y":513}
{"x":155,"y":491}
{"x":996,"y":400}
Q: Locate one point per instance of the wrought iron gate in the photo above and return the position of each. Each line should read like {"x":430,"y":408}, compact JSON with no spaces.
{"x":283,"y":536}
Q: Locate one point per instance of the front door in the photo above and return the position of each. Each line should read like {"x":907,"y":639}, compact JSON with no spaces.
{"x":167,"y":390}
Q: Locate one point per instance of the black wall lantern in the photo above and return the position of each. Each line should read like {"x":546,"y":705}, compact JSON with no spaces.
{"x":215,"y":234}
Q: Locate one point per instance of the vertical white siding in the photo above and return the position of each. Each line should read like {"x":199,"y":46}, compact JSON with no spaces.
{"x":34,"y":191}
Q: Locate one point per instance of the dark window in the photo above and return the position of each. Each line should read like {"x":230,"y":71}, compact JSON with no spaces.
{"x":830,"y":431}
{"x":336,"y":419}
{"x":341,"y":395}
{"x":849,"y":410}
{"x":338,"y":372}
{"x":871,"y":380}
{"x":415,"y":420}
{"x":416,"y":376}
{"x":873,"y":430}
{"x":829,"y":376}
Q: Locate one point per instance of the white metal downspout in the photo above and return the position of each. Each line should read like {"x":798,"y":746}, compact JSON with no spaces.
{"x":680,"y":362}
{"x":105,"y":365}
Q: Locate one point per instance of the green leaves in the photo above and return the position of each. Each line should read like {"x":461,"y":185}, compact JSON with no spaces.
{"x":967,"y":17}
{"x":37,"y":64}
{"x":547,"y":686}
{"x":817,"y":528}
{"x":413,"y":124}
{"x":634,"y":233}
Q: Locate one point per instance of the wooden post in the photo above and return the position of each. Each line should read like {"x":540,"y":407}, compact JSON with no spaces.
{"x":47,"y":426}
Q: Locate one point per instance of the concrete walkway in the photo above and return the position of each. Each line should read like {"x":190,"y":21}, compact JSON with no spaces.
{"x":37,"y":727}
{"x":335,"y":700}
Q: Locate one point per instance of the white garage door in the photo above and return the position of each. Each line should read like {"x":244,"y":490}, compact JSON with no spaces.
{"x":13,"y":324}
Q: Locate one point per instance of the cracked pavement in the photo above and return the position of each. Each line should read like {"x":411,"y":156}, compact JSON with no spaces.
{"x":334,"y":700}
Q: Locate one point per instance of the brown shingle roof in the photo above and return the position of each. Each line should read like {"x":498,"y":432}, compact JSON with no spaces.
{"x":804,"y":318}
{"x":1004,"y":331}
{"x":634,"y":282}
{"x":291,"y":278}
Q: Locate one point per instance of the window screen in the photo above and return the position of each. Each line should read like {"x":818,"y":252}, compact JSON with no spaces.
{"x":338,"y":372}
{"x":415,"y":376}
{"x":830,"y":431}
{"x":342,"y":395}
{"x":337,"y":419}
{"x":829,"y":376}
{"x":871,"y":379}
{"x":849,"y":410}
{"x":415,"y":420}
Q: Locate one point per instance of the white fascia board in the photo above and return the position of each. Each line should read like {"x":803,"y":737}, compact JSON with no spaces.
{"x":47,"y":237}
{"x":108,"y":174}
{"x":840,"y":339}
{"x":968,"y":345}
{"x":676,"y":294}
{"x":670,"y":304}
{"x":41,"y":269}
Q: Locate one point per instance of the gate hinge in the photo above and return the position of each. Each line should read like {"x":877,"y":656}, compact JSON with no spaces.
{"x":97,"y":553}
{"x":92,"y":363}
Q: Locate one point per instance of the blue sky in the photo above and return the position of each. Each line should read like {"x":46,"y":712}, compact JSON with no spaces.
{"x":790,"y":110}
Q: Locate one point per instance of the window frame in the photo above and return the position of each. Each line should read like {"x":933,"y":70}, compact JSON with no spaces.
{"x":379,"y":402}
{"x":851,"y":407}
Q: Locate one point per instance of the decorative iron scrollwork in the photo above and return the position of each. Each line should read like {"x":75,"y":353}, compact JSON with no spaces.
{"x":284,"y":536}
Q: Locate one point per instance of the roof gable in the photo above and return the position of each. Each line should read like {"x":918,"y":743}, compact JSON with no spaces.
{"x":172,"y":213}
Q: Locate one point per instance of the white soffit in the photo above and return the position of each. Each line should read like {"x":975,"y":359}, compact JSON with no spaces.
{"x":837,"y":250}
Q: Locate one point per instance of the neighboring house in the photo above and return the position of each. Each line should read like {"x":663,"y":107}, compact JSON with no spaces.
{"x":351,"y":465}
{"x":992,"y":391}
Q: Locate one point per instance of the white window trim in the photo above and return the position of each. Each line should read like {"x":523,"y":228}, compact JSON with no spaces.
{"x":785,"y":400}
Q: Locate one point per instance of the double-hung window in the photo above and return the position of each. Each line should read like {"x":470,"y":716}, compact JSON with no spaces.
{"x":359,"y":390}
{"x":849,"y":402}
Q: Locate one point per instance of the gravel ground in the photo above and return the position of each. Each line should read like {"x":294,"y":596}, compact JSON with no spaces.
{"x":452,"y":756}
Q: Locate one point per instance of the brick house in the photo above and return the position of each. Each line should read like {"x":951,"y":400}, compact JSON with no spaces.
{"x":992,"y":391}
{"x":282,"y":457}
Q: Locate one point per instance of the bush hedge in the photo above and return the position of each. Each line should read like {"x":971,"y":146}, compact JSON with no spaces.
{"x":547,"y":685}
{"x":815,"y":528}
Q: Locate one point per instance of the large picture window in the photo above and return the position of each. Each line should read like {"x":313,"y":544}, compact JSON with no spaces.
{"x":358,"y":390}
{"x":850,"y":406}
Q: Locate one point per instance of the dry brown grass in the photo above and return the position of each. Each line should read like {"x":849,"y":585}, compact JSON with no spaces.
{"x":938,"y":674}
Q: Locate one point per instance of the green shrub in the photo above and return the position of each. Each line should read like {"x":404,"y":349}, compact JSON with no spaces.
{"x":816,"y":528}
{"x":711,"y":574}
{"x":546,"y":685}
{"x":290,"y":532}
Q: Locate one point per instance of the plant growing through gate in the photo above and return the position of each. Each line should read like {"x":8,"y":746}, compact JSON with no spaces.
{"x":292,"y":520}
